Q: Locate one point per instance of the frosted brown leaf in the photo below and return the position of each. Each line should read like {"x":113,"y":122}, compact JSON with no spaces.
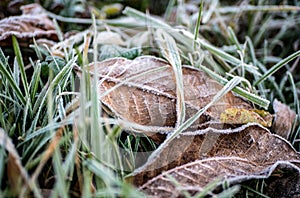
{"x":32,"y":23}
{"x":193,"y":177}
{"x":252,"y":142}
{"x":150,"y":99}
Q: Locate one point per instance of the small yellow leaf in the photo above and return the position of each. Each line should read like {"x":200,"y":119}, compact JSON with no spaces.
{"x":244,"y":116}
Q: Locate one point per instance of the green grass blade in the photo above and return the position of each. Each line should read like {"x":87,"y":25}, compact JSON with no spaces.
{"x":252,"y":8}
{"x":155,"y":23}
{"x":60,"y":176}
{"x":264,"y":103}
{"x":33,"y":86}
{"x":9,"y":76}
{"x":61,"y":77}
{"x":296,"y":105}
{"x":219,"y":53}
{"x":276,"y":67}
{"x":21,"y":65}
{"x":234,"y":38}
{"x":196,"y":31}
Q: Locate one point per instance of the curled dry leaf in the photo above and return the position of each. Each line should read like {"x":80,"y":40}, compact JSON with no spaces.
{"x":32,"y":23}
{"x":251,"y":142}
{"x":16,"y":173}
{"x":284,"y":119}
{"x":194,"y":176}
{"x":143,"y":91}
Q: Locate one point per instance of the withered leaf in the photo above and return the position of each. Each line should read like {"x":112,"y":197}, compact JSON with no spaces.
{"x":284,"y":118}
{"x":32,"y":23}
{"x":244,"y":116}
{"x":251,"y":142}
{"x":194,"y":176}
{"x":17,"y":175}
{"x":150,"y":99}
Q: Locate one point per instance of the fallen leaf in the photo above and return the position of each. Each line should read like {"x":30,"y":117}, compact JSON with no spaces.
{"x":195,"y":176}
{"x":284,"y":119}
{"x":32,"y":23}
{"x":251,"y":142}
{"x":143,"y":91}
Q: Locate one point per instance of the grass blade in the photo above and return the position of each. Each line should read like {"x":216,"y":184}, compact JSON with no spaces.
{"x":21,"y":65}
{"x":9,"y":76}
{"x":170,"y":52}
{"x":264,"y":103}
{"x":276,"y":67}
{"x":196,"y":31}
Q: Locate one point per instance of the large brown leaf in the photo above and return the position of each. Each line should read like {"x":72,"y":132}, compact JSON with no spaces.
{"x":32,"y":23}
{"x":143,"y":92}
{"x":251,"y":142}
{"x":150,"y":99}
{"x":194,"y":176}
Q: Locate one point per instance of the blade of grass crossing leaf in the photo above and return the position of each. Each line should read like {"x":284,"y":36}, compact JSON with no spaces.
{"x":170,"y":52}
{"x":245,"y":94}
{"x":21,"y":65}
{"x":229,"y":86}
{"x":276,"y":67}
